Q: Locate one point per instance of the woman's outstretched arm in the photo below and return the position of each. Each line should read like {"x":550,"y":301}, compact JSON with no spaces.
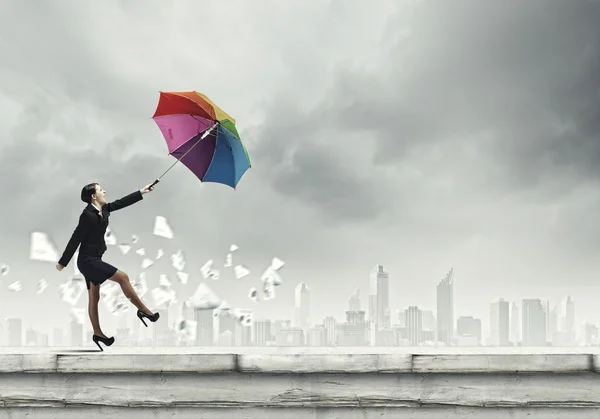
{"x":128,"y":200}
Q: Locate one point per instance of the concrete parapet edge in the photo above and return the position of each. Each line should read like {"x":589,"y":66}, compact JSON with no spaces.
{"x":300,"y":363}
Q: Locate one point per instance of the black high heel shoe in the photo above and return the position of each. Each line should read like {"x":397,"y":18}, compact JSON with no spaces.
{"x":106,"y":341}
{"x":152,"y":318}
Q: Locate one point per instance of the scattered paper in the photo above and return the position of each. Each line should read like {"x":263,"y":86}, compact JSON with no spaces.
{"x":268,"y":290}
{"x":162,"y":227}
{"x":206,"y":268}
{"x":164,"y":281}
{"x":163,"y":297}
{"x":109,"y":237}
{"x":159,"y":253}
{"x":178,"y":260}
{"x":134,"y":239}
{"x":243,"y":315}
{"x":273,"y":275}
{"x":113,"y":298}
{"x":277,"y":264}
{"x":4,"y":269}
{"x":186,"y":330}
{"x":124,"y":248}
{"x":241,"y":271}
{"x":70,"y":291}
{"x":205,"y":299}
{"x":253,"y":294}
{"x":228,"y":260}
{"x":233,"y":248}
{"x":41,"y":286}
{"x":15,"y":286}
{"x":42,"y":248}
{"x":141,"y":251}
{"x":146,"y":263}
{"x":183,"y":277}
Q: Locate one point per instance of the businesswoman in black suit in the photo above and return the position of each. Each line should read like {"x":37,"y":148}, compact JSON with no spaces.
{"x":90,"y":232}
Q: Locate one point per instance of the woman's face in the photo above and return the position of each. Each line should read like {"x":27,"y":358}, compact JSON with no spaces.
{"x":100,"y":195}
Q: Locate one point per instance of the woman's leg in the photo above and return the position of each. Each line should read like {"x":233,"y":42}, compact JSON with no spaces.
{"x":93,"y":299}
{"x":122,"y":279}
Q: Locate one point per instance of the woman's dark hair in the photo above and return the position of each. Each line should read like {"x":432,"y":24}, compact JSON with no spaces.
{"x":87,"y":192}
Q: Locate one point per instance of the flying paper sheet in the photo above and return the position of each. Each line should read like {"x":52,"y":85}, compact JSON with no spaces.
{"x":228,"y":260}
{"x":164,"y":281}
{"x":124,"y":248}
{"x":114,"y":300}
{"x":162,"y":227}
{"x":205,"y":299}
{"x":253,"y":294}
{"x":178,"y":260}
{"x":134,"y":239}
{"x":71,"y":290}
{"x":41,"y":286}
{"x":141,"y":251}
{"x":15,"y":286}
{"x":186,"y":330}
{"x":268,"y":290}
{"x":163,"y":297}
{"x":109,"y":237}
{"x":241,"y":271}
{"x":183,"y":277}
{"x":42,"y":248}
{"x":243,"y":315}
{"x":233,"y":248}
{"x":146,"y":263}
{"x":4,"y":269}
{"x":206,"y":268}
{"x":273,"y":275}
{"x":277,"y":264}
{"x":159,"y":253}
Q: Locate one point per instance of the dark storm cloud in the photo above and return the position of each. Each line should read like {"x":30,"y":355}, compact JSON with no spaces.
{"x":528,"y":73}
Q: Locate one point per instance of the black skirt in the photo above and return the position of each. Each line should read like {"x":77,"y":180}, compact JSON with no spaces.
{"x":94,"y":269}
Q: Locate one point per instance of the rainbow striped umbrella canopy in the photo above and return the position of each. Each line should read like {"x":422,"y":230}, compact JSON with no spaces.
{"x":202,"y":136}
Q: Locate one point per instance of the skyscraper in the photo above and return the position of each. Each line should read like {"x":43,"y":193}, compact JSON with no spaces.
{"x":302,"y":307}
{"x":354,"y":302}
{"x":468,"y":326}
{"x":534,"y":323}
{"x":515,"y":326}
{"x":445,"y":308}
{"x":379,"y":298}
{"x":499,"y":323}
{"x":204,"y":327}
{"x":15,"y":332}
{"x":414,"y":325}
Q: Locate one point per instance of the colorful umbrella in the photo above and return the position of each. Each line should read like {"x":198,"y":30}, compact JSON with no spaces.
{"x":202,"y":136}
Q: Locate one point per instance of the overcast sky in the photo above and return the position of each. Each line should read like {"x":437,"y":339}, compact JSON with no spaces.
{"x":421,"y":135}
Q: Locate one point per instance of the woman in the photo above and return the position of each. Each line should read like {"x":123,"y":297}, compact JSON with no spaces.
{"x":90,"y":232}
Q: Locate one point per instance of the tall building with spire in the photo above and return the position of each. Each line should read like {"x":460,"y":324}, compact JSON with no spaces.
{"x":379,"y":298}
{"x":445,"y":308}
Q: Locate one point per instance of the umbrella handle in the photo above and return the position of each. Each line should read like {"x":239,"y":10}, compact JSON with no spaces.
{"x":154,"y":183}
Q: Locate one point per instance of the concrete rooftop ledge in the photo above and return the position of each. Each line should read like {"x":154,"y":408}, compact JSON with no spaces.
{"x":299,"y":378}
{"x":290,"y":361}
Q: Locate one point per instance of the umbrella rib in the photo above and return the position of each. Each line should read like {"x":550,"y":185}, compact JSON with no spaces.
{"x":184,"y":154}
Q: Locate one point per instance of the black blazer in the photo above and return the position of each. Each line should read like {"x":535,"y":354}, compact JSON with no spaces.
{"x":92,"y":227}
